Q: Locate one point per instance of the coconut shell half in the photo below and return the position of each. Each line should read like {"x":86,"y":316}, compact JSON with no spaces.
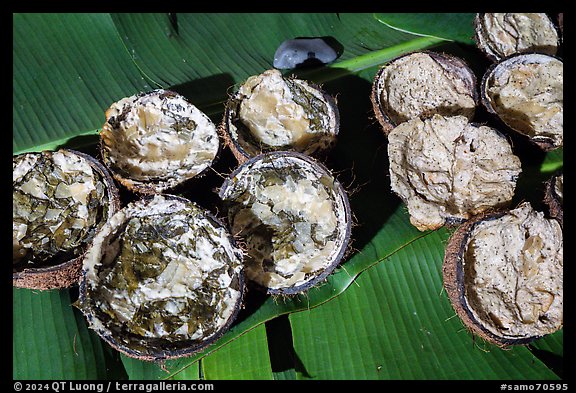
{"x":154,"y":141}
{"x":526,"y":93}
{"x":502,"y":272}
{"x":67,"y":196}
{"x":499,"y":35}
{"x":421,"y":84}
{"x":271,"y":112}
{"x":291,"y":216}
{"x":163,"y":279}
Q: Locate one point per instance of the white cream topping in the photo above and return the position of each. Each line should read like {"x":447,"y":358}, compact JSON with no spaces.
{"x":24,"y":165}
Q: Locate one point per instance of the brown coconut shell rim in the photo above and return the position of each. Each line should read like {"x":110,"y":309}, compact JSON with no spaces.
{"x":452,"y":221}
{"x":164,"y":354}
{"x":552,"y":200}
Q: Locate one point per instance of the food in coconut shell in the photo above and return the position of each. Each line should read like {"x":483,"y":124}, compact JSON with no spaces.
{"x":162,"y":279}
{"x":500,"y":35}
{"x":503,"y":272}
{"x":526,"y":92}
{"x":420,"y":84}
{"x":292,"y":217}
{"x":157,"y":140}
{"x":59,"y":201}
{"x":270,"y":112}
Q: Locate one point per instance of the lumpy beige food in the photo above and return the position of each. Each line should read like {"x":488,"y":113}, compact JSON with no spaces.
{"x":275,"y":112}
{"x":504,"y":34}
{"x":513,"y":274}
{"x":446,"y":169}
{"x":418,"y":84}
{"x":528,"y":95}
{"x":271,"y":113}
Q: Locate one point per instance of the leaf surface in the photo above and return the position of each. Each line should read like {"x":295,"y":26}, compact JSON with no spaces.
{"x":451,"y":27}
{"x":397,"y":323}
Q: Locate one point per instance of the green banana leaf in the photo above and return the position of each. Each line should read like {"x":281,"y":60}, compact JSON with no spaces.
{"x":456,"y":26}
{"x":381,"y":315}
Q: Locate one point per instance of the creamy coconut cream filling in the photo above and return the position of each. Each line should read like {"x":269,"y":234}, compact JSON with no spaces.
{"x":527,"y":93}
{"x":446,"y":169}
{"x":158,"y":136}
{"x":58,"y":203}
{"x":504,"y":34}
{"x":513,"y":274}
{"x":420,"y":84}
{"x":291,"y":217}
{"x":162,"y":269}
{"x":271,"y":112}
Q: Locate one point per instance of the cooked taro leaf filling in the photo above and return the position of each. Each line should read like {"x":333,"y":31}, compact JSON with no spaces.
{"x":58,"y":202}
{"x":291,"y":221}
{"x":158,"y":137}
{"x":167,"y":280}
